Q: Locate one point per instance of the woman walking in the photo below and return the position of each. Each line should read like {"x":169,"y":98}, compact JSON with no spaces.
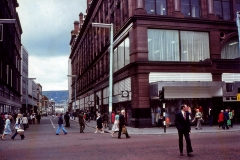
{"x":198,"y":117}
{"x":60,"y":124}
{"x":99,"y":124}
{"x":221,"y":120}
{"x":115,"y":127}
{"x":7,"y":129}
{"x":18,"y":126}
{"x":25,"y":121}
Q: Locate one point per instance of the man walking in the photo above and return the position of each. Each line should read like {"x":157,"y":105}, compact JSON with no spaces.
{"x":81,"y":122}
{"x":122,"y":125}
{"x":226,"y":118}
{"x":183,"y":126}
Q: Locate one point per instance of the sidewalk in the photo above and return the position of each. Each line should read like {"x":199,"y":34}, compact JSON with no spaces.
{"x":169,"y":130}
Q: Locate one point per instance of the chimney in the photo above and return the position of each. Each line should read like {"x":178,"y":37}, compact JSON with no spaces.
{"x":88,"y":5}
{"x":81,"y":19}
{"x":76,"y":27}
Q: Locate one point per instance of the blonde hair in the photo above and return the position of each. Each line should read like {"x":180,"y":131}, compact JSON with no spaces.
{"x":19,"y":115}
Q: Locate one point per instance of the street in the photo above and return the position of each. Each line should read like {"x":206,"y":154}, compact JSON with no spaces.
{"x":42,"y":143}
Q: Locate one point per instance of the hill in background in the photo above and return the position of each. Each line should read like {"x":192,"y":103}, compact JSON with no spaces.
{"x":57,"y":96}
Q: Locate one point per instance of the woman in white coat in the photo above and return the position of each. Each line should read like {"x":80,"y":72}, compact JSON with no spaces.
{"x":7,"y":129}
{"x":115,"y":127}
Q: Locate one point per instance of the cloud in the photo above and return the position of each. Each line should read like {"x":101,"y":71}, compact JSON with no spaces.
{"x":51,"y":72}
{"x":47,"y":26}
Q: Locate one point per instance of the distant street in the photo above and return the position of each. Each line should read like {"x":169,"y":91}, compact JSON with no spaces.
{"x":42,"y":143}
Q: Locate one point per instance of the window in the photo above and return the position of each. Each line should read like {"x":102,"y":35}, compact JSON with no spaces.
{"x":231,"y":50}
{"x":229,"y":87}
{"x":121,"y":56}
{"x":157,"y":7}
{"x":174,"y":45}
{"x":190,"y":8}
{"x":222,"y":9}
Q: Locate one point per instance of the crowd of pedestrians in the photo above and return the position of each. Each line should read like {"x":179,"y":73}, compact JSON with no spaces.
{"x":21,"y":123}
{"x":225,"y":118}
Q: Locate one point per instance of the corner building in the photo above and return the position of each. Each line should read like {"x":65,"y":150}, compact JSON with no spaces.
{"x":188,"y":48}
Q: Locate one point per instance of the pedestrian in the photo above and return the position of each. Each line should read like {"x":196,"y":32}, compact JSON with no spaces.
{"x":81,"y":122}
{"x":18,"y":125}
{"x":122,"y":124}
{"x":38,"y":118}
{"x":29,"y":118}
{"x":115,"y":127}
{"x":24,"y":121}
{"x":33,"y":117}
{"x":105,"y":120}
{"x":221,"y":119}
{"x":230,"y":117}
{"x":160,"y":121}
{"x":1,"y":123}
{"x":198,"y":117}
{"x":67,"y":119}
{"x":99,"y":126}
{"x":210,"y":116}
{"x":113,"y":116}
{"x":7,"y":129}
{"x":60,"y":125}
{"x":226,"y":118}
{"x":183,"y":126}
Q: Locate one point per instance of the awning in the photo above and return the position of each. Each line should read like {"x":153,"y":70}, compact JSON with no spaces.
{"x":171,"y":92}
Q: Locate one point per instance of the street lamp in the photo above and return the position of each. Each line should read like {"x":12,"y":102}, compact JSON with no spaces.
{"x":110,"y":26}
{"x":27,"y":89}
{"x":75,"y":77}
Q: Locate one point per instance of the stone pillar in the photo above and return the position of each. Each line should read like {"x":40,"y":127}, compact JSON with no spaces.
{"x":140,"y":7}
{"x":177,"y":9}
{"x":214,"y":41}
{"x":141,"y":111}
{"x":211,"y":14}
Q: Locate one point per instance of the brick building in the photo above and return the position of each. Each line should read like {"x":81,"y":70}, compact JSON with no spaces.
{"x":10,"y":59}
{"x":188,"y":48}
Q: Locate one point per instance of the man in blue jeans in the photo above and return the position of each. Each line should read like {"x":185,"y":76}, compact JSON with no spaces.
{"x":60,"y":124}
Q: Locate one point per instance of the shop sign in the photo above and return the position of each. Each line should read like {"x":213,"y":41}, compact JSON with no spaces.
{"x":125,"y":93}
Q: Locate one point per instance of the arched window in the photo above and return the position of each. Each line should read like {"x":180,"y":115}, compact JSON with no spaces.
{"x":231,"y":49}
{"x":157,"y":7}
{"x":222,"y":9}
{"x":190,"y":8}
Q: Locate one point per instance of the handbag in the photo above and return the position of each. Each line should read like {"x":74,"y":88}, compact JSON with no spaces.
{"x":20,"y":131}
{"x":124,"y":130}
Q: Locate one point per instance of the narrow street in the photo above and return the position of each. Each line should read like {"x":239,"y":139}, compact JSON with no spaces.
{"x":42,"y":143}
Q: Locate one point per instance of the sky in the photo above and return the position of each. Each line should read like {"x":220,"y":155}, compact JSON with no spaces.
{"x":47,"y":26}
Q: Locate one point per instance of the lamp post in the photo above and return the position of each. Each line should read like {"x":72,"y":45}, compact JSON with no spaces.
{"x":27,"y":89}
{"x":110,"y":26}
{"x":75,"y":76}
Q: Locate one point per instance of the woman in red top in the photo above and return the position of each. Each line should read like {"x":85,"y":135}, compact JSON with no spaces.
{"x":221,"y":119}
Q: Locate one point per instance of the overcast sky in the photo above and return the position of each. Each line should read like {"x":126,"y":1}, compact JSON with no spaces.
{"x":47,"y":26}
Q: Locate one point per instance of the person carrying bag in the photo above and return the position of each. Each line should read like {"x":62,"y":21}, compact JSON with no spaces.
{"x":18,"y":128}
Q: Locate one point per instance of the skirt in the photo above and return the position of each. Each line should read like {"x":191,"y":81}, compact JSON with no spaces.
{"x":115,"y":126}
{"x":8,"y":130}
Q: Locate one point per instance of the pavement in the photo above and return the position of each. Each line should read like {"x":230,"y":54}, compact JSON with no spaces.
{"x":169,"y":130}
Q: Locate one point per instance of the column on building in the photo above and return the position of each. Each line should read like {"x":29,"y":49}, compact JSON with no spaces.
{"x":177,"y":9}
{"x":210,"y":9}
{"x":140,"y":7}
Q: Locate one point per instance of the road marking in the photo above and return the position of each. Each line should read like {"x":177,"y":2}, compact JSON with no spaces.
{"x":52,"y":124}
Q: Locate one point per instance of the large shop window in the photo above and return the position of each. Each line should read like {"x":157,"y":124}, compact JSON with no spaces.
{"x":222,"y":9}
{"x":121,"y":55}
{"x":190,"y":8}
{"x":157,"y":7}
{"x":231,"y":49}
{"x":174,"y":45}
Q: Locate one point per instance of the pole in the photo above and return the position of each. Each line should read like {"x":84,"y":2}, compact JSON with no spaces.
{"x":111,"y":75}
{"x":164,"y":118}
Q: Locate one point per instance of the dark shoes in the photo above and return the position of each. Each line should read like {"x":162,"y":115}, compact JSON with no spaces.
{"x":189,"y":155}
{"x":57,"y":134}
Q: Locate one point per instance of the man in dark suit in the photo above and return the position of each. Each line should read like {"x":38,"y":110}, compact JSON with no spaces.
{"x":182,"y":123}
{"x":122,"y":124}
{"x":81,"y":122}
{"x":226,"y":117}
